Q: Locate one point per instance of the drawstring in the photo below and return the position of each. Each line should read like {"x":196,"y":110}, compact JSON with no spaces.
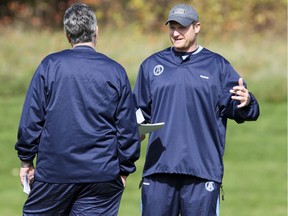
{"x":222,"y":192}
{"x":140,"y":183}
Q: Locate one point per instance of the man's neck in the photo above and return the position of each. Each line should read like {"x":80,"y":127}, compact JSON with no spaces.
{"x":84,"y":44}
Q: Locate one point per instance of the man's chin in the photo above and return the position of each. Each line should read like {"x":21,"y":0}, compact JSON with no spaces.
{"x":179,"y":48}
{"x":177,"y":45}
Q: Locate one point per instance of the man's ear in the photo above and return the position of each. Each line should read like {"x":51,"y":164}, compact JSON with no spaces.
{"x":96,"y":32}
{"x":197,"y":27}
{"x":96,"y":36}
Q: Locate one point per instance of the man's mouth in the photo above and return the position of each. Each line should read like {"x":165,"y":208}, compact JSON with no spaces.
{"x":177,"y":40}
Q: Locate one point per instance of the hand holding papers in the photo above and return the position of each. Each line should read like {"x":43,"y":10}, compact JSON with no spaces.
{"x":26,"y":185}
{"x":146,"y":128}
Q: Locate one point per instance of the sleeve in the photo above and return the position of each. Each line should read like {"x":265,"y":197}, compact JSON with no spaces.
{"x":142,"y":94}
{"x":228,"y":107}
{"x":32,"y":118}
{"x":127,"y":131}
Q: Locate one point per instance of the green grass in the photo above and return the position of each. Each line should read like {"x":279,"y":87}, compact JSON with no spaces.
{"x":11,"y":196}
{"x":255,"y":179}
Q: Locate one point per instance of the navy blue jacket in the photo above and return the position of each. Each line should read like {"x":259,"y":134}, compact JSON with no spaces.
{"x":79,"y":119}
{"x":192,"y":97}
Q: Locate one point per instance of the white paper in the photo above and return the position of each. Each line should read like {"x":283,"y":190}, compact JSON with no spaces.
{"x":139,"y":116}
{"x":147,"y":128}
{"x":26,"y":184}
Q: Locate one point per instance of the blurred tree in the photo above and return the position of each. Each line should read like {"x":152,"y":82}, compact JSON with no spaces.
{"x":220,"y":15}
{"x":33,"y":13}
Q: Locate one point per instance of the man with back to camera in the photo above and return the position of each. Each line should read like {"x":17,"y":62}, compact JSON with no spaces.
{"x":194,"y":91}
{"x":79,"y":120}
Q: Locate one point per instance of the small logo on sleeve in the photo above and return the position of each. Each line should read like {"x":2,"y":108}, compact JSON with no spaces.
{"x":158,"y":69}
{"x":204,"y":77}
{"x":146,"y":183}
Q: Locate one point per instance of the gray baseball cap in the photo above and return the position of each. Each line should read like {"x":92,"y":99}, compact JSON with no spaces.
{"x":183,"y":14}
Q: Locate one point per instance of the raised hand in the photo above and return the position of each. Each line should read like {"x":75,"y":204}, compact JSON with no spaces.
{"x":241,"y":94}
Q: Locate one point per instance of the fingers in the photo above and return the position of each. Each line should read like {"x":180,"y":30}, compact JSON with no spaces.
{"x":241,"y":94}
{"x":22,"y":174}
{"x":142,"y":137}
{"x":123,"y":178}
{"x":240,"y":82}
{"x":243,"y":101}
{"x":240,"y":87}
{"x":243,"y":98}
{"x":31,"y":175}
{"x":27,"y":171}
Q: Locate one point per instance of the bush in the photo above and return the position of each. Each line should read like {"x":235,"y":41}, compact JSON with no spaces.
{"x":260,"y":59}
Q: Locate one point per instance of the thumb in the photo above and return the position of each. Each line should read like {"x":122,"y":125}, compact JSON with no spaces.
{"x":240,"y":81}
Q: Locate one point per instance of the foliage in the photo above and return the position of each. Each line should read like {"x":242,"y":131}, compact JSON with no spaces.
{"x":261,"y":60}
{"x":220,"y":15}
{"x":32,"y":13}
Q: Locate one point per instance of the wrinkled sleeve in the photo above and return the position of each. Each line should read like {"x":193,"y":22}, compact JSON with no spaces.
{"x":32,"y":118}
{"x":127,"y":131}
{"x":228,"y":106}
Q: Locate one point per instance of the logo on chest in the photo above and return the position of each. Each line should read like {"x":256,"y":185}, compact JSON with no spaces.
{"x":158,"y":69}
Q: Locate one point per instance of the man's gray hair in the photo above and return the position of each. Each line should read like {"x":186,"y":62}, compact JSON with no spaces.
{"x":80,"y":24}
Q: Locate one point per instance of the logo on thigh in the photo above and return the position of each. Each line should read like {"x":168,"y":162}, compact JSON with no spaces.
{"x":210,"y":186}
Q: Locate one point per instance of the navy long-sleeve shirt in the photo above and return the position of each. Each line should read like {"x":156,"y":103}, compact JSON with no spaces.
{"x":192,"y":97}
{"x":79,"y":119}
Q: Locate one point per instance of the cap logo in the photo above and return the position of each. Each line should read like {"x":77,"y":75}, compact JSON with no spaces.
{"x":179,"y":11}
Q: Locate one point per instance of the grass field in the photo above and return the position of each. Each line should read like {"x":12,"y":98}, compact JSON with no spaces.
{"x":255,"y":179}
